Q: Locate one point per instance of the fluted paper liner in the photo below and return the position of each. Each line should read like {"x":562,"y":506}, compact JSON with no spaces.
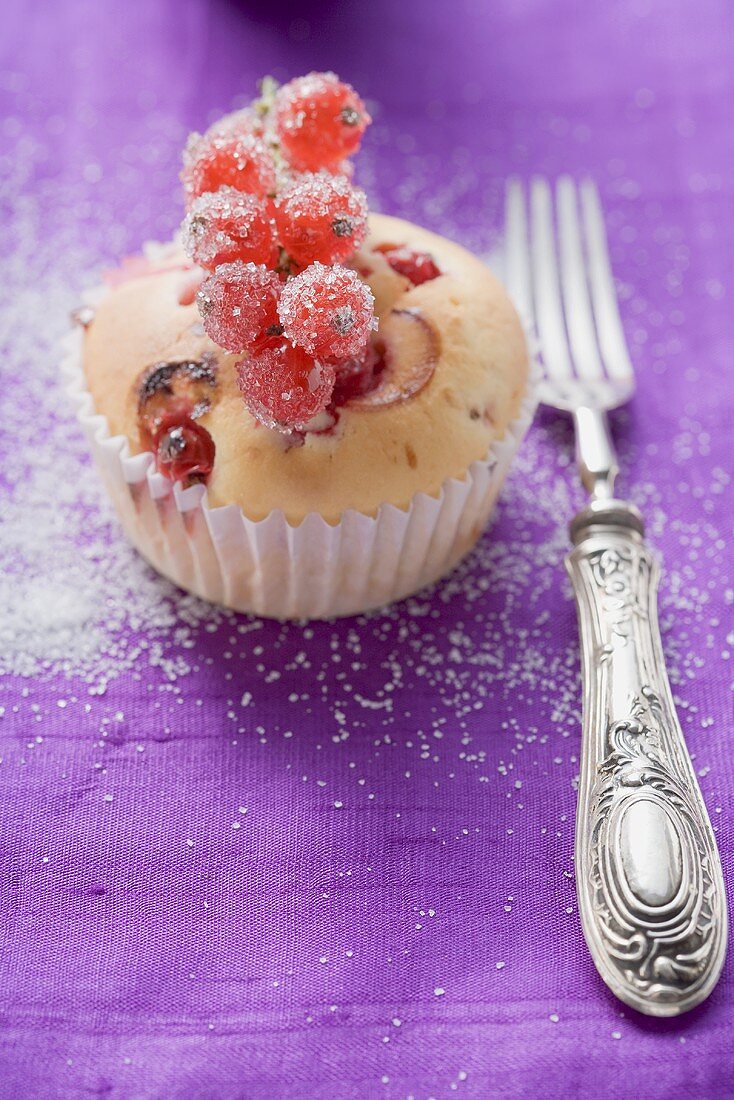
{"x":314,"y":570}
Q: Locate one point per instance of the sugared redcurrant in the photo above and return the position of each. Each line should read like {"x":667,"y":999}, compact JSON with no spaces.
{"x":284,"y":387}
{"x":229,"y":225}
{"x":319,"y":121}
{"x":321,"y":217}
{"x":328,"y":311}
{"x":239,"y":305}
{"x":245,"y":122}
{"x":227,"y":158}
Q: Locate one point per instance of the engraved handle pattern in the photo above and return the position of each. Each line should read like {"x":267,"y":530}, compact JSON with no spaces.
{"x":650,"y":888}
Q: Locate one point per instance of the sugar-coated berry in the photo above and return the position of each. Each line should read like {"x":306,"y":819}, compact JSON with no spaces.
{"x":328,"y":311}
{"x":229,"y":225}
{"x":321,"y":217}
{"x":184,"y":450}
{"x":284,"y":387}
{"x":319,"y":121}
{"x":245,"y":122}
{"x":238,"y":304}
{"x":418,"y":267}
{"x":227,"y":158}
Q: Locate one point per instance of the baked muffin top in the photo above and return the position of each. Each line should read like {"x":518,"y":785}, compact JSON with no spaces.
{"x":451,"y":374}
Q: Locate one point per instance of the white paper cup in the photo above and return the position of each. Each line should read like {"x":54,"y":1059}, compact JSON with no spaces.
{"x":269,"y":567}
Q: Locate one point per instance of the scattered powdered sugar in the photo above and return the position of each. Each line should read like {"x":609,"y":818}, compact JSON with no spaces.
{"x":48,"y":621}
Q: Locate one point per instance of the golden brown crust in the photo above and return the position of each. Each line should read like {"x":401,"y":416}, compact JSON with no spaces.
{"x":372,"y":456}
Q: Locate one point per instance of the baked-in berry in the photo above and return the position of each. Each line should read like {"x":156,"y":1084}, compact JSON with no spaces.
{"x":229,"y":225}
{"x":321,"y":217}
{"x":284,"y":387}
{"x":328,"y":311}
{"x":238,"y":304}
{"x":227,"y":158}
{"x":319,"y":121}
{"x":184,"y":450}
{"x":410,"y":345}
{"x":418,"y":267}
{"x":357,"y":376}
{"x":184,"y":388}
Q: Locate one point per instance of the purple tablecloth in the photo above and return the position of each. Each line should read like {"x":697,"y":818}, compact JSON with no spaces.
{"x":240,"y":859}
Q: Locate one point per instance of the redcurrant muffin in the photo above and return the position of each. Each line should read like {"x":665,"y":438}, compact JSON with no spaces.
{"x":300,"y":409}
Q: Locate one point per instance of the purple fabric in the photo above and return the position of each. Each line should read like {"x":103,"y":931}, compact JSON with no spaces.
{"x":239,"y":859}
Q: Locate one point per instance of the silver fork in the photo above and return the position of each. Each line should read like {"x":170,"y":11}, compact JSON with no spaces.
{"x":648,"y":876}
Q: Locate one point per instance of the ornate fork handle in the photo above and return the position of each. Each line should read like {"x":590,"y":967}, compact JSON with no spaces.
{"x":650,"y":887}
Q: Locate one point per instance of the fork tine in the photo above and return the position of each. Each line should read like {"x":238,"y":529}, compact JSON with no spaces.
{"x":603,"y":293}
{"x":579,"y":317}
{"x":549,"y":308}
{"x":517,"y":252}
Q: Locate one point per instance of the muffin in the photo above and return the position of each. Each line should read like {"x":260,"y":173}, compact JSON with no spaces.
{"x":372,"y":470}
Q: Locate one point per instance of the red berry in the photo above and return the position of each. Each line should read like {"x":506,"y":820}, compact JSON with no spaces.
{"x":357,"y":376}
{"x":328,"y":311}
{"x":228,"y":225}
{"x":319,"y":121}
{"x":244,"y":123}
{"x":227,"y":158}
{"x":284,"y":387}
{"x":321,"y":218}
{"x":419,"y":267}
{"x":182,"y":388}
{"x":184,"y":450}
{"x":239,"y":305}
